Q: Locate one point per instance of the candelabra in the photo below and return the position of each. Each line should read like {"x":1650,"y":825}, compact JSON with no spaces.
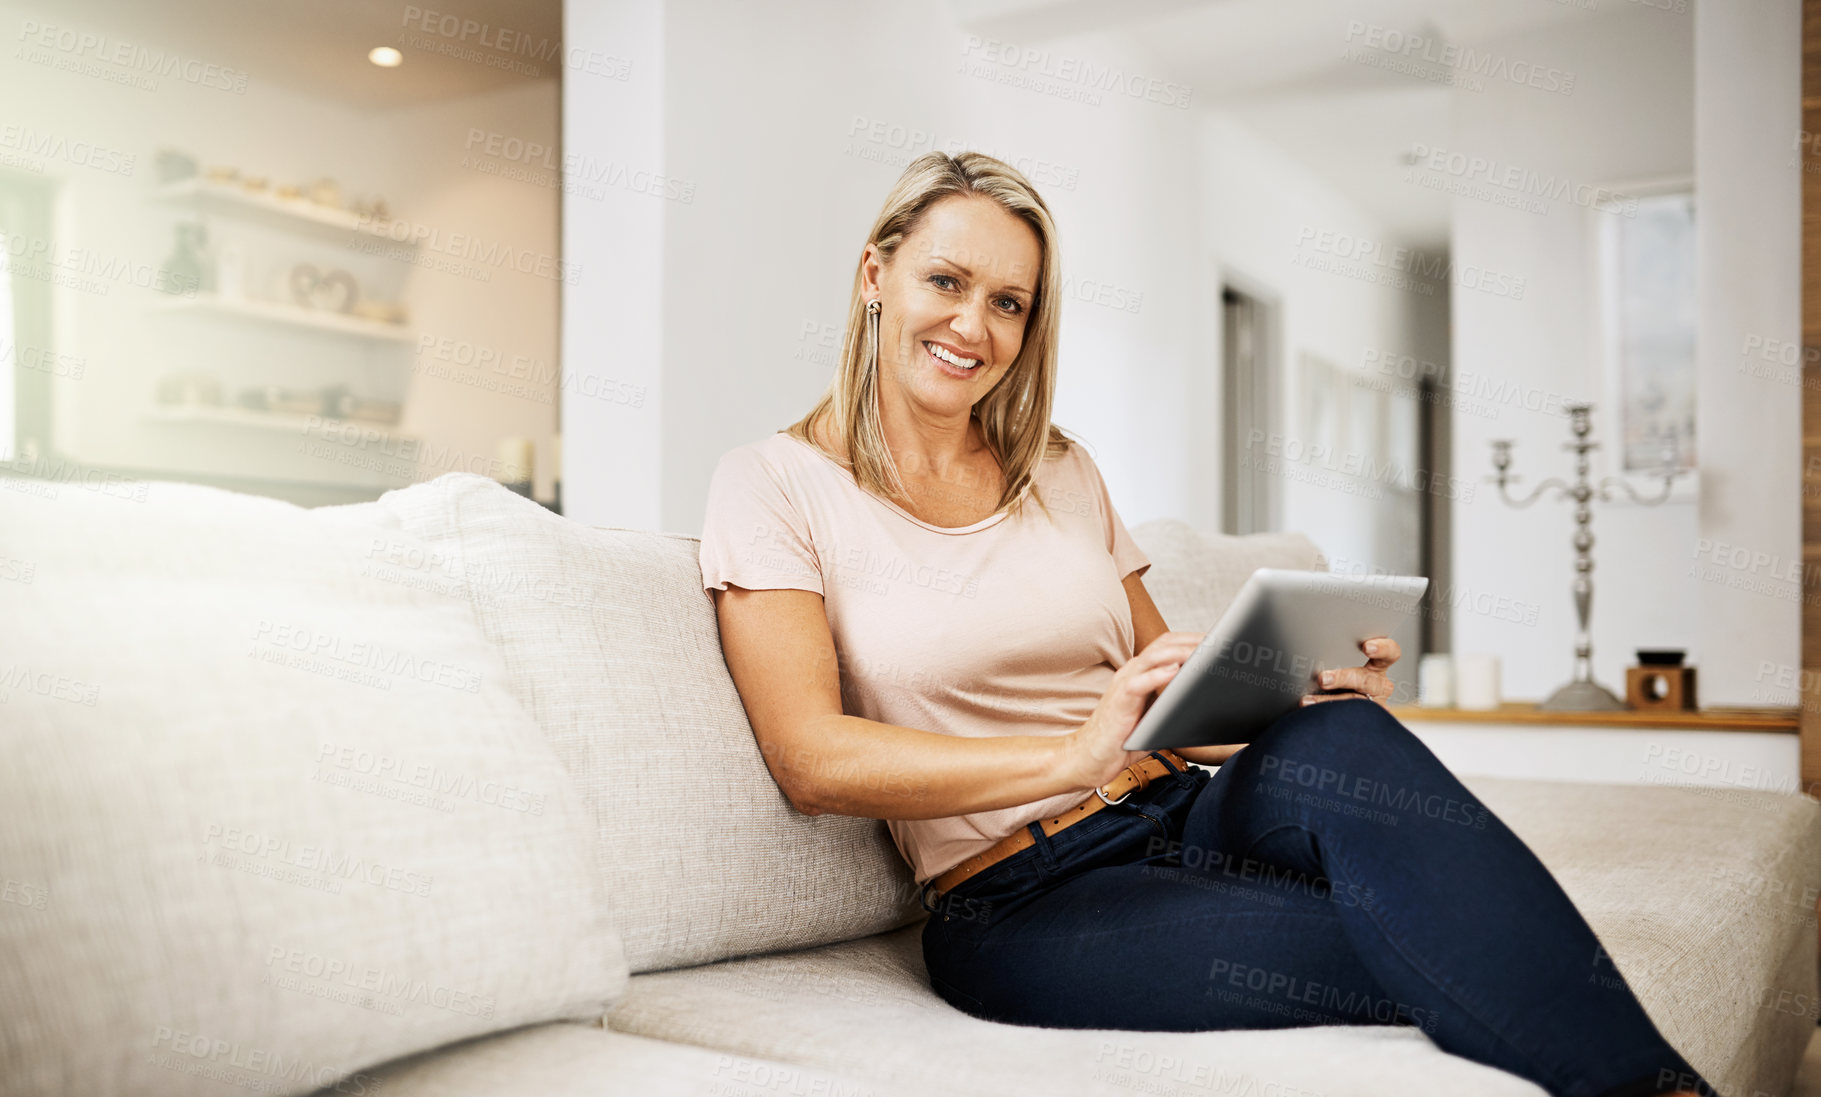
{"x":1582,"y":694}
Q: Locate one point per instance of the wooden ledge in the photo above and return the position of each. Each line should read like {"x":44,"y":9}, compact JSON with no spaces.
{"x":1526,"y":712}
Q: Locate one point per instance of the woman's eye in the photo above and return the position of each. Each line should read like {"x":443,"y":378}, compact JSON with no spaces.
{"x":941,"y":280}
{"x":1011,"y":305}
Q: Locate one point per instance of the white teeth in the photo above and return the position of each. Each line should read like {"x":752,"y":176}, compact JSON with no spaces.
{"x":959,"y":363}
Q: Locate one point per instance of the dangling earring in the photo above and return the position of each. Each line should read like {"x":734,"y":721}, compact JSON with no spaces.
{"x":872,"y":332}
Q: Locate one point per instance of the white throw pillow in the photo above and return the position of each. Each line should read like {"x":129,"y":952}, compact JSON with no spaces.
{"x":269,"y":816}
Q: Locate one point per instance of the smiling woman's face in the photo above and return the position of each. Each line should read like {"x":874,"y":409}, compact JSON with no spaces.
{"x":959,"y":290}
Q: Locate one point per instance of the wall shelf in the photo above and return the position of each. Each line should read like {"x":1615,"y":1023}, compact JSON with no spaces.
{"x":273,"y":446}
{"x":275,"y":312}
{"x":1527,"y":713}
{"x":289,"y":211}
{"x":284,"y":422}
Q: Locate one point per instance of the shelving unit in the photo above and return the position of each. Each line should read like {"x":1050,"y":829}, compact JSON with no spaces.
{"x":1528,"y":713}
{"x":283,"y":422}
{"x":289,"y":447}
{"x":292,"y":211}
{"x":275,"y":312}
{"x":1724,"y":747}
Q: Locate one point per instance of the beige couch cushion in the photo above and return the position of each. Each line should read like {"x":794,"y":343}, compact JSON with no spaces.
{"x":611,"y":642}
{"x":1195,"y":576}
{"x":572,"y":1060}
{"x":1704,"y":898}
{"x":1697,"y":898}
{"x":865,"y":1008}
{"x":270,"y":817}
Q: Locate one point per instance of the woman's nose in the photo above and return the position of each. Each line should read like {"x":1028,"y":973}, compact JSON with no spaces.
{"x":970,"y":324}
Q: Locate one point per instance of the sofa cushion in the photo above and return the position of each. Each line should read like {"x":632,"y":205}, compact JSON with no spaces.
{"x":1698,"y":899}
{"x":611,"y":642}
{"x":270,"y":818}
{"x":1704,"y":898}
{"x":1195,"y":576}
{"x":865,"y":1008}
{"x":573,"y":1060}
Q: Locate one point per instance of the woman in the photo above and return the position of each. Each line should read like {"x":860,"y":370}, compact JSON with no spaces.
{"x":934,"y":616}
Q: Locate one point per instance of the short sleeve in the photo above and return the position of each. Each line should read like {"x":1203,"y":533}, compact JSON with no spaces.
{"x":752,"y":535}
{"x":1125,"y":551}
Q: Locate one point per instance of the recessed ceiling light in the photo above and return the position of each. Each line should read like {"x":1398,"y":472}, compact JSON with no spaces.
{"x":385,"y":57}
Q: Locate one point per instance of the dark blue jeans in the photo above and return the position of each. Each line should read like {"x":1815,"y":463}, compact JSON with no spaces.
{"x":1331,"y":872}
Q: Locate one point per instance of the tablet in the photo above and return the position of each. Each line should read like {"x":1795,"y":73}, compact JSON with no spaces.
{"x":1285,"y":627}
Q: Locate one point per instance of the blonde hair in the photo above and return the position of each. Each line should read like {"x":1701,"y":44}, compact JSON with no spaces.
{"x":1015,"y":416}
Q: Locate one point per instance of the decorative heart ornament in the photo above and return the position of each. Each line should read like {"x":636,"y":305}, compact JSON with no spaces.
{"x":332,"y":292}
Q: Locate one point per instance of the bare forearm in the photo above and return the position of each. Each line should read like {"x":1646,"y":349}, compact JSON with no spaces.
{"x":1209,"y":756}
{"x":847,"y":765}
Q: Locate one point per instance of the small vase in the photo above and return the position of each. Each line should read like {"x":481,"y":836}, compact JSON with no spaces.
{"x":188,"y":271}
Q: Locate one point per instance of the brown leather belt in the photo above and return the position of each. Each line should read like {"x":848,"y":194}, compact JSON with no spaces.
{"x":1130,"y":780}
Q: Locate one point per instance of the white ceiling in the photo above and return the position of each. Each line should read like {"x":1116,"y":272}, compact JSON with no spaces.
{"x":1277,"y":66}
{"x":1232,"y":48}
{"x":319,"y":47}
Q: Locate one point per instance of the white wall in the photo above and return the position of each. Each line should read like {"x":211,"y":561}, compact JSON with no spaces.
{"x":1747,"y":113}
{"x":612,"y":329}
{"x":788,"y":176}
{"x":1266,"y":218}
{"x":1629,"y":117}
{"x":1727,"y":760}
{"x":445,"y":171}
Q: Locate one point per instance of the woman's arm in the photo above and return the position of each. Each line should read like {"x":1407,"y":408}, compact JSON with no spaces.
{"x":1147,"y":623}
{"x":1209,"y":756}
{"x":782,"y":658}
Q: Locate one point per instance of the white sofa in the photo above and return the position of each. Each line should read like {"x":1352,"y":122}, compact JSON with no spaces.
{"x":444,"y":794}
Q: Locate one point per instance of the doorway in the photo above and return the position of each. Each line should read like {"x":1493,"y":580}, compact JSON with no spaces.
{"x":1249,"y":395}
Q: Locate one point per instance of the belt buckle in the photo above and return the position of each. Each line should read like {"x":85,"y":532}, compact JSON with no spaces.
{"x":1139,"y":777}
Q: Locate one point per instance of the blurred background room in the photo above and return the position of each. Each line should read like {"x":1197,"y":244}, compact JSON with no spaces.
{"x":1319,"y":257}
{"x":247,"y":250}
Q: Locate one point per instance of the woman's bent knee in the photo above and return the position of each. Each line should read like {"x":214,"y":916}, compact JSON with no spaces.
{"x":1353,"y":716}
{"x":1332,"y":733}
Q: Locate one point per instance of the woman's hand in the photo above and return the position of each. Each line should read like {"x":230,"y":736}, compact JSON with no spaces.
{"x":1094,"y":753}
{"x":1367,"y":681}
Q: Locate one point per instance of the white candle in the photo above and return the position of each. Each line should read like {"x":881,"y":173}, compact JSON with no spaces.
{"x":1476,"y":681}
{"x":1435,"y":680}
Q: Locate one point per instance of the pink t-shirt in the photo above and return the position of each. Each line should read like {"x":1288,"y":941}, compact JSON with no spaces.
{"x":1003,"y":627}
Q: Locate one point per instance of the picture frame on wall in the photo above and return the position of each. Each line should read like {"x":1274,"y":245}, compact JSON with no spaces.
{"x":1326,"y":412}
{"x":1643,"y":241}
{"x":1355,"y":419}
